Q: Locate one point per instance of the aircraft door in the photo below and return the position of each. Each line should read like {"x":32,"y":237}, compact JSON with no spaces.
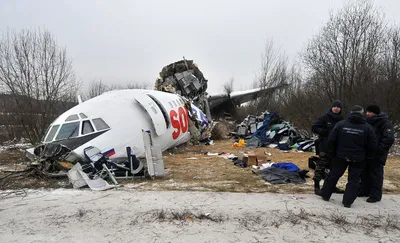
{"x":154,"y":112}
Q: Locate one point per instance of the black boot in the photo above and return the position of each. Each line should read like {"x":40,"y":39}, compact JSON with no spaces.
{"x":317,"y":189}
{"x":372,"y":200}
{"x":338,"y":190}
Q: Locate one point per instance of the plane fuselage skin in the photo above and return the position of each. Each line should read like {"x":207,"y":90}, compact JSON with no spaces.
{"x":115,"y":120}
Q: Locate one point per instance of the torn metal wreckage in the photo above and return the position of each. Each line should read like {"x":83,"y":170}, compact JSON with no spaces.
{"x":56,"y":160}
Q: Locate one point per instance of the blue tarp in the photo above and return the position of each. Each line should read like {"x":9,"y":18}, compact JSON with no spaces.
{"x":261,"y":132}
{"x":287,"y":166}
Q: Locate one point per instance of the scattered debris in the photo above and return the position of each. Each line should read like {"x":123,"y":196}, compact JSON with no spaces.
{"x":78,"y":178}
{"x":275,"y":175}
{"x":241,"y":143}
{"x":268,"y":153}
{"x":240,"y":163}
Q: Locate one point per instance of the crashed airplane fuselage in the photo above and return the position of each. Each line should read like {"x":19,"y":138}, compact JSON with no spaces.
{"x":116,"y":119}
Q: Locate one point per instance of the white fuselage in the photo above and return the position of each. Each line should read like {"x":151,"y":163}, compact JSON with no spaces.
{"x":117,"y":119}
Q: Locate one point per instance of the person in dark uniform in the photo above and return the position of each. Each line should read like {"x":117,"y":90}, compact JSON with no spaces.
{"x":323,"y":127}
{"x":351,"y":143}
{"x":372,"y":175}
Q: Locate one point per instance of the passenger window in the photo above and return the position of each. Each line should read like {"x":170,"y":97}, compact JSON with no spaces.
{"x":99,"y":124}
{"x":87,"y":127}
{"x":83,"y":116}
{"x":72,"y":118}
{"x":68,"y":130}
{"x":52,"y":133}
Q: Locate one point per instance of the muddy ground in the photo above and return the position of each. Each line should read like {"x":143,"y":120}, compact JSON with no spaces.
{"x":190,"y":169}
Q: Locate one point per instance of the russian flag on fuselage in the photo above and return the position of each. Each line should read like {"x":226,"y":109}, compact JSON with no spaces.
{"x":109,"y":153}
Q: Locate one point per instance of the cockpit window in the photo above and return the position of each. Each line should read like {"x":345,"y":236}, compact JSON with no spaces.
{"x":68,"y":130}
{"x":52,"y":133}
{"x":87,"y":127}
{"x":72,"y":118}
{"x":100,"y":124}
{"x":83,"y":116}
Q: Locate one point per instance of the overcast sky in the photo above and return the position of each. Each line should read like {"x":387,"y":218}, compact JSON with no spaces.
{"x":122,"y":41}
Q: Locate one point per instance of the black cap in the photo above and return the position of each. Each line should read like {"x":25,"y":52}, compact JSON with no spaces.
{"x":337,"y":103}
{"x":357,"y":109}
{"x":374,"y":109}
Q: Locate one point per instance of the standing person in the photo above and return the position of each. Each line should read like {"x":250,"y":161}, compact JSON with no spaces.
{"x":323,"y":127}
{"x":372,"y":176}
{"x":351,"y":143}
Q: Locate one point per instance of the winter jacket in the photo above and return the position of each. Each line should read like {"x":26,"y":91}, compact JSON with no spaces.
{"x":353,"y":139}
{"x":384,"y":134}
{"x":323,"y":127}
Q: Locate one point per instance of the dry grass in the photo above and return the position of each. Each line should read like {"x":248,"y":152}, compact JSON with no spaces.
{"x":211,"y":173}
{"x":179,"y":216}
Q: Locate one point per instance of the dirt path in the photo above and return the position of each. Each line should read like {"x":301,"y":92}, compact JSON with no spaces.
{"x":123,"y":215}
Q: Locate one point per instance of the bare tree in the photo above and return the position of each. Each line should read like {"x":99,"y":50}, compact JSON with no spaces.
{"x":389,"y":80}
{"x":228,"y":86}
{"x":133,"y":85}
{"x":98,"y":87}
{"x":343,"y":57}
{"x":356,"y":58}
{"x":273,"y":73}
{"x":273,"y":68}
{"x":38,"y":76}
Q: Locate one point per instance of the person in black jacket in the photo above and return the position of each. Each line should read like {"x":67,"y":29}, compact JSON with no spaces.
{"x":351,"y":143}
{"x":323,"y":127}
{"x":372,"y":176}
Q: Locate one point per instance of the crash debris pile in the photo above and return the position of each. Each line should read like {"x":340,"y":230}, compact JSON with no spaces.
{"x":50,"y":160}
{"x":50,"y":164}
{"x":269,"y":130}
{"x":185,"y":79}
{"x":95,"y":167}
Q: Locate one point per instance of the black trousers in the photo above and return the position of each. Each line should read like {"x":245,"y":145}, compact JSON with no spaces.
{"x":339,"y":166}
{"x":321,"y":165}
{"x":372,"y":179}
